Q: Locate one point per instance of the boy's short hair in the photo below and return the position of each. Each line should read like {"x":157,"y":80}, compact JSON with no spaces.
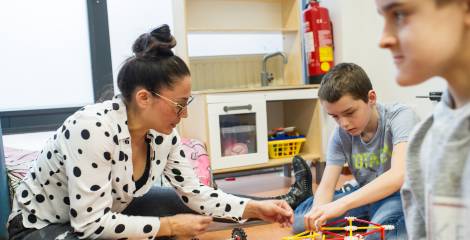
{"x":345,"y":79}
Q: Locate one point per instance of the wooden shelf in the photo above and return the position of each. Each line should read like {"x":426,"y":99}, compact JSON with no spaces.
{"x":271,"y":163}
{"x":246,"y":15}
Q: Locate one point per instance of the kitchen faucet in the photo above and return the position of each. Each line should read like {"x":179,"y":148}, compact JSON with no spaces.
{"x":267,"y":77}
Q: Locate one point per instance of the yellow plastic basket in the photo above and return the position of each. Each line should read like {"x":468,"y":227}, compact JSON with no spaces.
{"x":285,"y":148}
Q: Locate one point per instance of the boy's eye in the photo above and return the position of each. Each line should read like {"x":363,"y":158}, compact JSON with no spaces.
{"x":399,"y":16}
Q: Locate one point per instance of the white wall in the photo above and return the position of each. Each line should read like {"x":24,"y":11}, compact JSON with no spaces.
{"x":45,"y":55}
{"x":128,"y":19}
{"x":357,"y":30}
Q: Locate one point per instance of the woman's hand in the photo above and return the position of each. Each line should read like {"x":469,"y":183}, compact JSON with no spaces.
{"x":319,"y":215}
{"x":271,"y":211}
{"x":183,"y":225}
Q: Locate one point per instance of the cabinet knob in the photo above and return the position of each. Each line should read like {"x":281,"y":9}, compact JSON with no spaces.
{"x":242,"y":107}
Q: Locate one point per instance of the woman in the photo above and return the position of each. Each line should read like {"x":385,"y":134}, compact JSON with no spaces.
{"x":86,"y":181}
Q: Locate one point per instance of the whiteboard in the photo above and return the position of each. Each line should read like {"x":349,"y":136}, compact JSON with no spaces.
{"x":45,"y":55}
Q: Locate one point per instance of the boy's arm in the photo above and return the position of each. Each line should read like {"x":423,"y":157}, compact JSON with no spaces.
{"x":335,"y":159}
{"x":384,"y":185}
{"x":323,"y":195}
{"x":326,"y":189}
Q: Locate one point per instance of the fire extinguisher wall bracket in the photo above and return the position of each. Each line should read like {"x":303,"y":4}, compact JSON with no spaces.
{"x":318,"y":41}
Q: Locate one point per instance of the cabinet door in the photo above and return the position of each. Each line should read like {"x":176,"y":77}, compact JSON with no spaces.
{"x":238,"y":133}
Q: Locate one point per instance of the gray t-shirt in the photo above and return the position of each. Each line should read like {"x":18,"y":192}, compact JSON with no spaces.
{"x":436,"y":179}
{"x":368,"y":160}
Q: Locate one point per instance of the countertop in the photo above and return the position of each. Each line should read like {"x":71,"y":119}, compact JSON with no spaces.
{"x":268,"y":88}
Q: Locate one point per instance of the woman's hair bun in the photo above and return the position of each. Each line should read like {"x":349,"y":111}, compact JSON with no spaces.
{"x":156,"y":43}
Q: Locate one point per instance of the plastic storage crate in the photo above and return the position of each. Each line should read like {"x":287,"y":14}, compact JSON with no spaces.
{"x":285,"y":148}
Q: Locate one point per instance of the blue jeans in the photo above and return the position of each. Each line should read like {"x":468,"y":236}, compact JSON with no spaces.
{"x":387,"y":211}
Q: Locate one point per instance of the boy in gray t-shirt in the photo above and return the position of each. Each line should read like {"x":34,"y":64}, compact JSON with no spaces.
{"x":372,"y":139}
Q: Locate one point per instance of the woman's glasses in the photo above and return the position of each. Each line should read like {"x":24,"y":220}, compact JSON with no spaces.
{"x":179,"y":107}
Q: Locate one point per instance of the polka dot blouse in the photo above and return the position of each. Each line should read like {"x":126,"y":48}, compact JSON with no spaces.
{"x":83,"y":176}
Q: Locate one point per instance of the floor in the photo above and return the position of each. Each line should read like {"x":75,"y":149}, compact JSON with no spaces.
{"x":269,"y":184}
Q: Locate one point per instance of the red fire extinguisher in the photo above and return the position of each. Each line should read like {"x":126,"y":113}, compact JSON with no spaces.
{"x":318,"y":39}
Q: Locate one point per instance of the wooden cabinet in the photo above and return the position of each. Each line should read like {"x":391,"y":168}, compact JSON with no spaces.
{"x":250,"y":114}
{"x":240,"y":16}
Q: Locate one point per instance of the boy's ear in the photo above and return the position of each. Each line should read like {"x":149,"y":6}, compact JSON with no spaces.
{"x":372,"y":97}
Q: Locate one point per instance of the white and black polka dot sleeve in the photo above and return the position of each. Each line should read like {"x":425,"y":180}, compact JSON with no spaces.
{"x":91,"y":152}
{"x":206,"y":200}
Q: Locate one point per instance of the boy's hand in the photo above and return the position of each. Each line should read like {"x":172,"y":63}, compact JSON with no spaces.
{"x":271,"y":211}
{"x":319,"y":215}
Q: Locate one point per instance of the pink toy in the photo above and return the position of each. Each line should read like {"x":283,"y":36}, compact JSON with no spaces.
{"x":235,"y":149}
{"x":196,"y":151}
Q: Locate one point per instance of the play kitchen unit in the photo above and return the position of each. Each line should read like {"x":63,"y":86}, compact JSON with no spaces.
{"x":239,"y":98}
{"x":234,"y":124}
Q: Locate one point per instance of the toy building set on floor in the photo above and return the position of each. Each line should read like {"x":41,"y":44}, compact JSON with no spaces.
{"x":332,"y":231}
{"x":350,"y":231}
